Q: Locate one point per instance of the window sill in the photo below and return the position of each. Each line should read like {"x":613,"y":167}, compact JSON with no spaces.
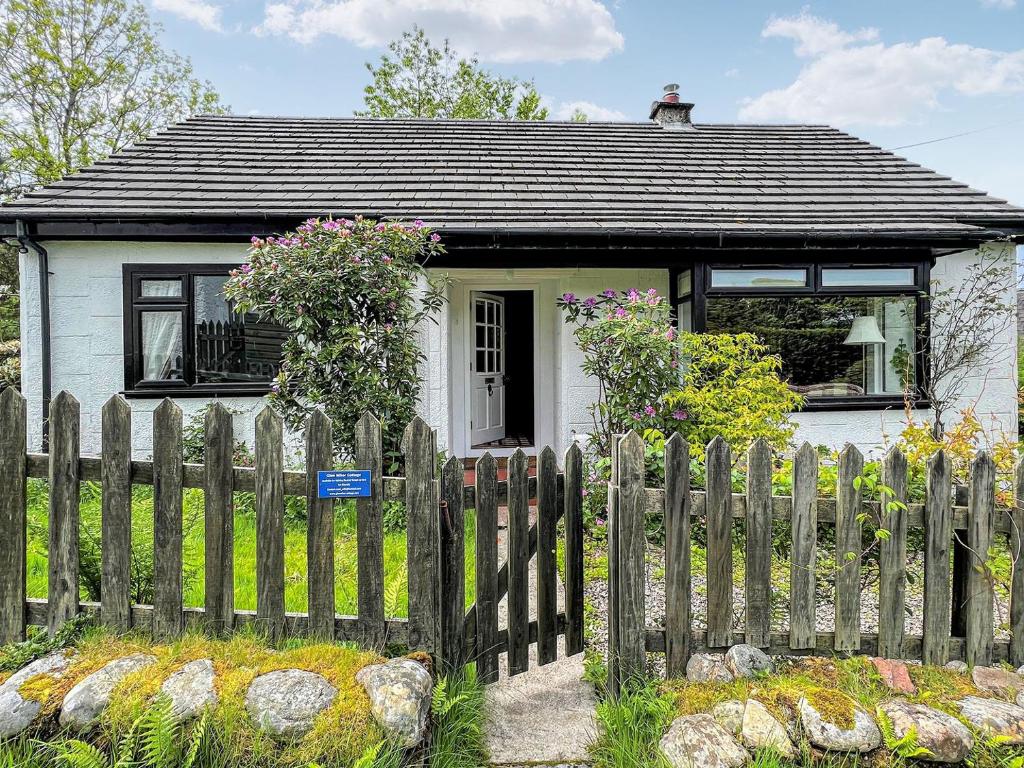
{"x":859,"y":404}
{"x":208,"y":391}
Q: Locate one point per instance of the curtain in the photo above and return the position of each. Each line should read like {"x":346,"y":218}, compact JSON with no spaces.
{"x":161,"y":337}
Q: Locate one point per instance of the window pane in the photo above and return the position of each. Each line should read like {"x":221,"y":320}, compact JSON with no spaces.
{"x":161,"y":346}
{"x":231,"y":347}
{"x":684,"y":312}
{"x":684,"y":283}
{"x":481,"y":361}
{"x":161,"y":288}
{"x":870,"y":276}
{"x":831,"y":346}
{"x":758,"y":278}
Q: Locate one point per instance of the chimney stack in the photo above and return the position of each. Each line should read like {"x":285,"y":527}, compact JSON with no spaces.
{"x":670,"y":112}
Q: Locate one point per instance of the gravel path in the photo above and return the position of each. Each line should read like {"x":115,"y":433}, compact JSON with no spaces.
{"x":596,"y":593}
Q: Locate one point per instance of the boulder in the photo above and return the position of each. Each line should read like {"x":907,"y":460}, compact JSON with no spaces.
{"x":895,"y":675}
{"x":958,"y":666}
{"x":707,"y":668}
{"x":998,"y":682}
{"x":760,"y":730}
{"x":697,"y":740}
{"x":864,"y":736}
{"x":16,"y":711}
{"x":190,"y":689}
{"x":85,"y":703}
{"x":285,"y":703}
{"x":729,"y":715}
{"x":994,"y":717}
{"x":946,"y":738}
{"x":746,"y":661}
{"x":400,"y":693}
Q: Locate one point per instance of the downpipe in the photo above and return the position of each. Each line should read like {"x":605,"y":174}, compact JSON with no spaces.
{"x":26,"y":243}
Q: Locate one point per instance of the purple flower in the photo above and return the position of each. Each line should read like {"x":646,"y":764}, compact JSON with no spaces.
{"x":246,"y":268}
{"x":386,"y":259}
{"x":569,"y":298}
{"x":649,"y":410}
{"x":652,"y":292}
{"x":381,"y":227}
{"x":633,"y":295}
{"x":255,"y":240}
{"x":435,"y":238}
{"x":680,"y":415}
{"x":356,"y":260}
{"x":608,"y":294}
{"x":670,"y":333}
{"x":418,"y":224}
{"x":590,"y":302}
{"x":599,"y":521}
{"x":332,"y":224}
{"x":637,"y":416}
{"x":620,"y":313}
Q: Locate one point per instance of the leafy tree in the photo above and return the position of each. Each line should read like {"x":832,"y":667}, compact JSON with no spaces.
{"x":81,"y":79}
{"x":354,"y":355}
{"x":419,"y":80}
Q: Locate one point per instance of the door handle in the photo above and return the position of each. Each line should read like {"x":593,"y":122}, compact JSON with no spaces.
{"x":490,"y":390}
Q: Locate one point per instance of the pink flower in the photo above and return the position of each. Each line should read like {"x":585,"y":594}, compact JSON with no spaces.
{"x":608,"y":294}
{"x":637,"y":416}
{"x":633,"y":295}
{"x":599,"y":521}
{"x":435,"y":238}
{"x":569,"y":298}
{"x":620,"y":313}
{"x":356,"y":259}
{"x":649,"y":410}
{"x":590,"y":302}
{"x":380,"y":227}
{"x":680,"y":415}
{"x":670,"y":333}
{"x":246,"y":268}
{"x":386,"y":259}
{"x":418,"y":224}
{"x":255,"y":241}
{"x":652,"y":292}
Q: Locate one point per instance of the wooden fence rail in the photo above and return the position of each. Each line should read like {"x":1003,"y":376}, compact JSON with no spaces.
{"x":946,"y":527}
{"x":435,"y":506}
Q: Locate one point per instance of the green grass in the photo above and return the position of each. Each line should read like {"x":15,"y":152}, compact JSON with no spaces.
{"x":630,"y":728}
{"x":345,"y":551}
{"x":457,"y":733}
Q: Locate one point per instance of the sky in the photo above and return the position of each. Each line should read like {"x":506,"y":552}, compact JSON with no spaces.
{"x":893,"y":72}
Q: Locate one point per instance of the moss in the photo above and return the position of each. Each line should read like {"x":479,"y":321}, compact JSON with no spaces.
{"x":38,"y":688}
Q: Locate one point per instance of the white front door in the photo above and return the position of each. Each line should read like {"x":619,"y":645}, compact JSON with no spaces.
{"x":487,"y":366}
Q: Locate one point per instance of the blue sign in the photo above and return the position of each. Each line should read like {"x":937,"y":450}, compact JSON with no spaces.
{"x":343,"y":484}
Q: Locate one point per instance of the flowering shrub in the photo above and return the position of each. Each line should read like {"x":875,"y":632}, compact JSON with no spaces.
{"x":349,"y":292}
{"x":629,"y":346}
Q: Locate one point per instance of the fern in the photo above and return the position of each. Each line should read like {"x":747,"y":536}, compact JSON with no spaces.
{"x":158,"y":736}
{"x":197,"y":740}
{"x":78,"y":754}
{"x":905,"y":746}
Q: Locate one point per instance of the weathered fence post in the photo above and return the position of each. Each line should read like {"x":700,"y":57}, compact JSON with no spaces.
{"x":848,"y":550}
{"x":518,"y":564}
{"x":320,"y":528}
{"x":219,"y":538}
{"x":13,"y":503}
{"x":802,"y":631}
{"x":1017,"y":556}
{"x":487,"y":568}
{"x":452,"y":530}
{"x":892,"y":557}
{"x":269,"y":461}
{"x":759,"y":545}
{"x":421,"y":501}
{"x":370,"y":532}
{"x":718,"y":516}
{"x":574,"y":550}
{"x":677,"y":555}
{"x":614,"y":584}
{"x":547,"y":590}
{"x":938,"y":534}
{"x":631,"y":515}
{"x":168,"y":470}
{"x":980,"y":593}
{"x":116,"y":515}
{"x":62,"y":592}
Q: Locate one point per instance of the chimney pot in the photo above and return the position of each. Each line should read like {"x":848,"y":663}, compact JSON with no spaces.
{"x":670,"y":112}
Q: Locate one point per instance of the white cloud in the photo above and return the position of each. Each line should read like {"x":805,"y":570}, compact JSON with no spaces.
{"x":495,"y":30}
{"x":1004,"y":4}
{"x":851,"y":79}
{"x":595,"y":113}
{"x":206,"y":15}
{"x":732,"y":72}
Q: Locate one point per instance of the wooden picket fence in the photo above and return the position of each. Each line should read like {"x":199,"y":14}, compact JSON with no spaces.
{"x":437,"y":622}
{"x":958,"y":588}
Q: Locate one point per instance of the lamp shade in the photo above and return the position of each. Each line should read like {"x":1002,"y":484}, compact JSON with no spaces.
{"x":865,"y":330}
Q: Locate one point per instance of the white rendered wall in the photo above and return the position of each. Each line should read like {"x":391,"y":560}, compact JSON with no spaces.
{"x":87,"y":353}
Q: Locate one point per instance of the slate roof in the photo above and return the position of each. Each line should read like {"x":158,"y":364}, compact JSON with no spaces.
{"x":528,"y":176}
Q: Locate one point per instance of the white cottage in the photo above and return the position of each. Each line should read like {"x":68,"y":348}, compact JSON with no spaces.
{"x":821,"y":243}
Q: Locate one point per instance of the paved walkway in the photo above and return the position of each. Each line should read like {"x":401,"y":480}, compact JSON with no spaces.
{"x":545,"y":715}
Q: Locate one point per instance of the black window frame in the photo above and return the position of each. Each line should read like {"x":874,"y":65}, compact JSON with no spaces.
{"x":702,"y":290}
{"x":134,"y":304}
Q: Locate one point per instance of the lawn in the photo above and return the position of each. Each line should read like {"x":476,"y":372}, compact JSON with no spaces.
{"x":345,"y":559}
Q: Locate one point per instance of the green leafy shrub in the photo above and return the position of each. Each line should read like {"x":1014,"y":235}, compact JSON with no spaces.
{"x":351,"y":294}
{"x":457,"y":738}
{"x":631,"y":727}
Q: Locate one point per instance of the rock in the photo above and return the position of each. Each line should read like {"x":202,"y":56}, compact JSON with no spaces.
{"x":707,"y":668}
{"x":746,"y":661}
{"x":998,"y":682}
{"x":697,"y":740}
{"x":863,"y":737}
{"x":895,"y":675}
{"x":995,"y":717}
{"x":17,"y":712}
{"x":960,"y":667}
{"x":285,"y":703}
{"x":729,"y":715}
{"x":400,"y":692}
{"x":1020,"y":670}
{"x":943,"y":735}
{"x":190,"y":689}
{"x":760,"y":730}
{"x":82,"y":707}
